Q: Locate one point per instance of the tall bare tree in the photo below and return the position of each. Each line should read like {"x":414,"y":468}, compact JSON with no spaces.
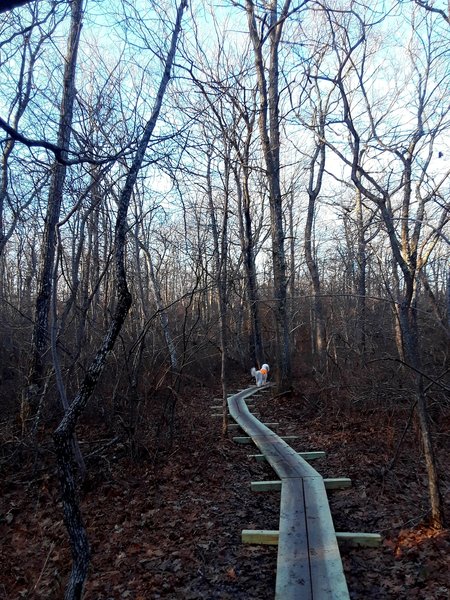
{"x":64,"y":432}
{"x":271,"y":23}
{"x":55,"y":196}
{"x":411,"y":243}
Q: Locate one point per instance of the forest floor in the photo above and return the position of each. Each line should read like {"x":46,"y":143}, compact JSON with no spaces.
{"x":170,"y":528}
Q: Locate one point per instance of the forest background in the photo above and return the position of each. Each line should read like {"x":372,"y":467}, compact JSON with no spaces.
{"x":187,"y":191}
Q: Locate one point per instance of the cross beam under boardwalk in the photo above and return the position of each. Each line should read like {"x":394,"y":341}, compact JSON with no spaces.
{"x":309,"y":565}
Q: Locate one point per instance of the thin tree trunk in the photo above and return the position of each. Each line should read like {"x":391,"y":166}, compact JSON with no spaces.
{"x":40,"y":330}
{"x":411,"y":338}
{"x":163,"y":317}
{"x":220,"y":253}
{"x":319,"y":335}
{"x":398,"y":330}
{"x":269,"y":130}
{"x":361,"y":281}
{"x":63,"y":434}
{"x":316,"y":171}
{"x":248,"y":252}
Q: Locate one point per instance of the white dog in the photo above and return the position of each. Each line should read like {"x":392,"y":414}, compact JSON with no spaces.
{"x":261,"y":375}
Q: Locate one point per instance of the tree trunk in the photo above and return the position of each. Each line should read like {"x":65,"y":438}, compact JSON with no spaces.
{"x":40,"y":330}
{"x":316,"y":171}
{"x":220,"y":241}
{"x":411,"y":339}
{"x":319,"y":335}
{"x":361,"y":281}
{"x":164,"y":319}
{"x":63,"y":434}
{"x":248,"y":252}
{"x":269,"y":130}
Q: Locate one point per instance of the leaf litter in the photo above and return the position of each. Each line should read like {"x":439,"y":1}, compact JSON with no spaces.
{"x":170,"y":527}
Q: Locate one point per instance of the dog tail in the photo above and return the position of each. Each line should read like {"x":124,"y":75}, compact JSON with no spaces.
{"x":253,"y":372}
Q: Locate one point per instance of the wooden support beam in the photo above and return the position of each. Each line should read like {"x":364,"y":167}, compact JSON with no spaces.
{"x":248,"y":440}
{"x":220,"y":406}
{"x":306,"y":455}
{"x":336,"y":483}
{"x":236,"y":426}
{"x":266,"y":486}
{"x":269,"y":537}
{"x":368,"y":540}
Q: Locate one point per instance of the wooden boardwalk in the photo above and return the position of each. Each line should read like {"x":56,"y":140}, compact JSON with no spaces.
{"x":309,"y":565}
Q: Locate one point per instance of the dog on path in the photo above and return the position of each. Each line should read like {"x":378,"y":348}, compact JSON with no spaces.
{"x":261,"y":375}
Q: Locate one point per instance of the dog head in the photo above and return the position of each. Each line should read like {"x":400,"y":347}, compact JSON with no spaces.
{"x":265,"y":367}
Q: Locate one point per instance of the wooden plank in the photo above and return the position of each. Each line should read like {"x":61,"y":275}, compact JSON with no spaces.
{"x":264,"y":537}
{"x":359,"y":539}
{"x":334,"y":483}
{"x":280,"y":456}
{"x":293,"y":580}
{"x":249,"y":440}
{"x":248,"y":404}
{"x":337,"y":483}
{"x":285,"y":461}
{"x":327,"y":573}
{"x":304,"y":455}
{"x":270,"y":537}
{"x":265,"y":486}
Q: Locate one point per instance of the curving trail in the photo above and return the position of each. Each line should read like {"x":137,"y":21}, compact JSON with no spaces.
{"x":309,"y":565}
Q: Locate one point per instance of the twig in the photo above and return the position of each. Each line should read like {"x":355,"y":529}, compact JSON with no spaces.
{"x":110,"y":443}
{"x":397,"y":450}
{"x":392,"y":358}
{"x":52,"y":545}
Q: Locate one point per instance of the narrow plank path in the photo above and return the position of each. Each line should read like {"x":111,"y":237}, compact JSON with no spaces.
{"x":309,"y":565}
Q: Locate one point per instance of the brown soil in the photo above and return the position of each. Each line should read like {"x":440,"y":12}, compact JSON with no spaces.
{"x":169,"y":526}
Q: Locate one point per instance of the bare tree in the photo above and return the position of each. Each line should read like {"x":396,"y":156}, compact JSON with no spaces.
{"x":272,"y":21}
{"x":64,"y":432}
{"x":315,"y":178}
{"x":55,"y":195}
{"x":434,"y":9}
{"x":29,"y":44}
{"x":411,"y":244}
